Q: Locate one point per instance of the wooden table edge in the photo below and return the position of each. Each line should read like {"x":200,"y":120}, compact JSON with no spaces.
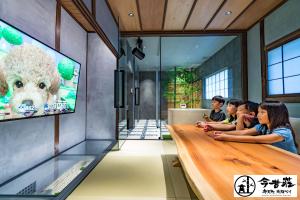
{"x":199,"y":186}
{"x":282,"y":150}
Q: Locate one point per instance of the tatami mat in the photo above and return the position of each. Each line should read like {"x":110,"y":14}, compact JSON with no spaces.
{"x":141,"y":170}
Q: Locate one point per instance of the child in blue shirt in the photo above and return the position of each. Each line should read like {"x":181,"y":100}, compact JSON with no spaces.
{"x":274,"y":128}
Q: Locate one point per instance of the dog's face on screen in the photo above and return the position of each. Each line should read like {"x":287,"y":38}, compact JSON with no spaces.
{"x":32,"y":76}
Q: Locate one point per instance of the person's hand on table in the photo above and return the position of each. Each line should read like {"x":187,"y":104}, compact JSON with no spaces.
{"x":205,"y":117}
{"x":207,"y":128}
{"x":216,"y":133}
{"x":200,"y":124}
{"x":219,"y":135}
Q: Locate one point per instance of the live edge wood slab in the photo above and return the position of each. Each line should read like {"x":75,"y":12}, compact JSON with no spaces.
{"x":210,"y":165}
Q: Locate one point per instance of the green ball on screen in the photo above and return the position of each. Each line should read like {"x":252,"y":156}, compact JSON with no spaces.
{"x":12,"y":36}
{"x":66,"y":69}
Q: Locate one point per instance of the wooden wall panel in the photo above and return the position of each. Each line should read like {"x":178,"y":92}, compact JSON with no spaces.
{"x":121,"y":9}
{"x":152,"y":14}
{"x":255,"y":12}
{"x":221,"y":21}
{"x":203,"y":12}
{"x":177,"y":13}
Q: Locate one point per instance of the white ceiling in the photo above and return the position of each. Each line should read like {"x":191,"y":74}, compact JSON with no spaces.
{"x":178,"y":51}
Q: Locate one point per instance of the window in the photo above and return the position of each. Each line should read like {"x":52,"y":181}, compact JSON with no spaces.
{"x":283,"y":69}
{"x":217,"y":84}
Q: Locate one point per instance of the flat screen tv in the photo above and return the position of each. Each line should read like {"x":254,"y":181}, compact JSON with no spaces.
{"x":35,"y":80}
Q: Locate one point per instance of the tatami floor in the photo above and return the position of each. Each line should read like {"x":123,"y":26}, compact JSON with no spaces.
{"x":141,"y":170}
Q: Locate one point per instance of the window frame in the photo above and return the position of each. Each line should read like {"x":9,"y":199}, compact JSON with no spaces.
{"x":287,"y":98}
{"x":212,"y":74}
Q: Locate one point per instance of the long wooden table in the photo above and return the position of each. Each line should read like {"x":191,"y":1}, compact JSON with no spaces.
{"x":210,"y":165}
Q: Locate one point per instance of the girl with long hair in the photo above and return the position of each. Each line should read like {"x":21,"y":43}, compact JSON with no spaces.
{"x":274,"y":128}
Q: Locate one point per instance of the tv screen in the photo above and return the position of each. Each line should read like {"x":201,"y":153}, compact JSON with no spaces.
{"x":35,"y":80}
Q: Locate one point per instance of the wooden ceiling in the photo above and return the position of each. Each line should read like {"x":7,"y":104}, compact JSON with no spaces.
{"x":190,"y":15}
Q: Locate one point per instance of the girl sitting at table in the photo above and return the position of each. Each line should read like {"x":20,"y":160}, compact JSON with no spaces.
{"x":274,"y":128}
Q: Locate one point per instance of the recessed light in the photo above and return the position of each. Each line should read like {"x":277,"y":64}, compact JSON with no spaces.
{"x":130,"y":14}
{"x":228,"y":12}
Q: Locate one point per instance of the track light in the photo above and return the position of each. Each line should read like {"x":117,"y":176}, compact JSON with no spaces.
{"x":138,"y":53}
{"x":138,"y":50}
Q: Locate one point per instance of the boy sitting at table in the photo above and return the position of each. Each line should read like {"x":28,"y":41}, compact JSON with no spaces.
{"x":227,"y":124}
{"x":216,"y":113}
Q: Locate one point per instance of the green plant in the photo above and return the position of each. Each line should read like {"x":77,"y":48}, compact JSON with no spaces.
{"x":184,"y":79}
{"x":167,"y":81}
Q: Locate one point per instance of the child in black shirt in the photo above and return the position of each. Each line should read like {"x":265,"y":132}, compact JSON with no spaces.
{"x":216,"y":114}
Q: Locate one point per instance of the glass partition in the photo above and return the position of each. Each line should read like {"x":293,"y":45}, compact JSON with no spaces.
{"x":177,"y":73}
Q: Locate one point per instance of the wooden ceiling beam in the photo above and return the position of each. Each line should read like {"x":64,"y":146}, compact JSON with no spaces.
{"x":240,"y":14}
{"x":139,"y":14}
{"x":164,"y":16}
{"x":189,"y":16}
{"x":87,"y":14}
{"x":182,"y":33}
{"x":72,"y":10}
{"x":215,"y":14}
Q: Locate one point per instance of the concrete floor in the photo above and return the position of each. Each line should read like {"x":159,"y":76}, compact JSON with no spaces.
{"x":141,"y":170}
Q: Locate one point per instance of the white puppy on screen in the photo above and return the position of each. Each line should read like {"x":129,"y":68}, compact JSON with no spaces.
{"x":32,"y":75}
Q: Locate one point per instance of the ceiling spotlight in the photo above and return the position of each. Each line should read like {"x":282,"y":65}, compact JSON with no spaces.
{"x":228,"y":13}
{"x":130,"y":14}
{"x":138,"y":50}
{"x":138,"y":53}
